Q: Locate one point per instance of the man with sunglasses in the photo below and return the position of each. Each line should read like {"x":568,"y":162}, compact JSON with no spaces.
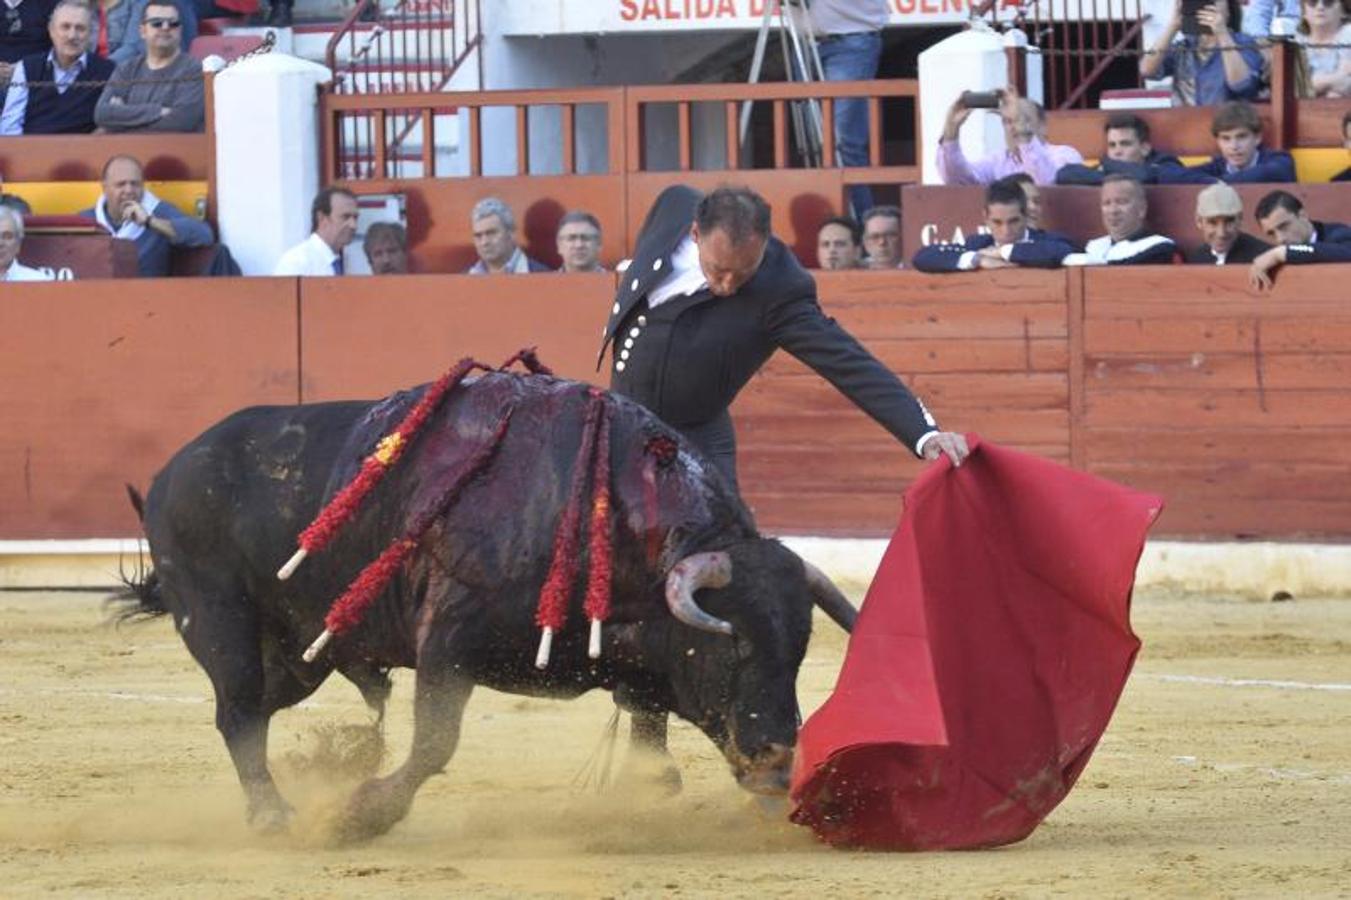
{"x":160,"y":90}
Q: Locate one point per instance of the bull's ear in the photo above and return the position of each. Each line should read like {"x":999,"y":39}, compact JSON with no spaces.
{"x":829,"y":598}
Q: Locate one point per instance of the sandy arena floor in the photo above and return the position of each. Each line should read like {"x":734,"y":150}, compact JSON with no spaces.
{"x":1226,"y":772}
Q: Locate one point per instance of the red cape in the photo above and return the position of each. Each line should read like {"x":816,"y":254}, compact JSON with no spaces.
{"x":991,"y":650}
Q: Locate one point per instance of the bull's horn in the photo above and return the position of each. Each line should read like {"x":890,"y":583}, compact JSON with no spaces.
{"x":687,"y":576}
{"x":830,"y":598}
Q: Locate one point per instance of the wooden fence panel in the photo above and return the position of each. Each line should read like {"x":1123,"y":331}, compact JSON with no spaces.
{"x":1232,"y":404}
{"x":367,"y":337}
{"x":986,"y":354}
{"x":103,"y":384}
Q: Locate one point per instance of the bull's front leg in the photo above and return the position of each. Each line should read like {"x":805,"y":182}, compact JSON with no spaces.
{"x":649,"y":762}
{"x":438,"y":710}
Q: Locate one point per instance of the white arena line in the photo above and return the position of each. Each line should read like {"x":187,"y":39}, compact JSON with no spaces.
{"x":136,"y":696}
{"x":1245,"y":682}
{"x":1276,"y":774}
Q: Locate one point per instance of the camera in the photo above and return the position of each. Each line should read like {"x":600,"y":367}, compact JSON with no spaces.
{"x":980,"y":99}
{"x":1190,"y":8}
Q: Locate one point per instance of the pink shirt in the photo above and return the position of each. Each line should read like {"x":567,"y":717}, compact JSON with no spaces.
{"x":1039,"y":159}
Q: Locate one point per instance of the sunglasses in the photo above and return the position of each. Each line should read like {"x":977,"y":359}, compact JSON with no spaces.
{"x":1328,"y":3}
{"x":163,"y":23}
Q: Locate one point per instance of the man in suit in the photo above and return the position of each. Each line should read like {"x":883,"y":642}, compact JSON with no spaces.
{"x":709,"y":296}
{"x":1010,"y":242}
{"x":1299,"y":239}
{"x":1127,"y":151}
{"x":1241,"y":158}
{"x":1219,"y":211}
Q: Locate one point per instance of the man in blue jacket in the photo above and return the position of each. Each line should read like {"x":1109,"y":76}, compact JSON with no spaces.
{"x":1010,"y":241}
{"x":129,"y":210}
{"x":1129,"y":152}
{"x":1242,"y":158}
{"x":1300,"y":239}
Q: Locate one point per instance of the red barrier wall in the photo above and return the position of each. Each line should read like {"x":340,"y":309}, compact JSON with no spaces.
{"x":102,"y":383}
{"x":368,"y":337}
{"x":1176,"y":379}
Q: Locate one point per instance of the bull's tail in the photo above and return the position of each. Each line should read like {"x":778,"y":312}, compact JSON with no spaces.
{"x":141,"y":596}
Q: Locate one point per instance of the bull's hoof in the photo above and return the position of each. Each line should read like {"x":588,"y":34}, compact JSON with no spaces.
{"x":647,"y":774}
{"x":270,"y":818}
{"x":374,"y":809}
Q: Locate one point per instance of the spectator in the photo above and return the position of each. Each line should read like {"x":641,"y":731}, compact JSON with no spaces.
{"x":1032,"y":191}
{"x":1258,"y":15}
{"x":849,"y":42}
{"x":1128,"y":152}
{"x":839,"y":244}
{"x":494,"y":229}
{"x":124,"y":39}
{"x":1128,"y":241}
{"x":13,"y":201}
{"x":280,"y":13}
{"x":386,"y":248}
{"x":1218,"y":64}
{"x":68,"y":106}
{"x":1219,"y":212}
{"x":1345,"y":174}
{"x":333,"y":220}
{"x":578,"y":239}
{"x":160,"y":90}
{"x":1011,"y":242}
{"x":11,"y":239}
{"x":1300,"y":239}
{"x":882,"y":238}
{"x":1325,"y":32}
{"x":1024,"y":137}
{"x":1242,"y":158}
{"x":23,"y":31}
{"x":129,"y":210}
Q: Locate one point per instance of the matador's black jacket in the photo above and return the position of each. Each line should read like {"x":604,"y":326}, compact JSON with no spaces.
{"x":687,"y":359}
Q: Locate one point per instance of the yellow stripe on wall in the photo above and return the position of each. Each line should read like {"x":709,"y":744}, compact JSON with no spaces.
{"x":65,"y":198}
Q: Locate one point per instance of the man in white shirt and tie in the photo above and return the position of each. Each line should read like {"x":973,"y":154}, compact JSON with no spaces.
{"x":333,"y":216}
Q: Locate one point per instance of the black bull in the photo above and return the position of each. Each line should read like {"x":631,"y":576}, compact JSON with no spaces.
{"x":225,"y":512}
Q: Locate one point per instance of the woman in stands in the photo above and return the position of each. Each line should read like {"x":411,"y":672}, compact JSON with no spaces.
{"x":1211,"y":62}
{"x":1325,"y":32}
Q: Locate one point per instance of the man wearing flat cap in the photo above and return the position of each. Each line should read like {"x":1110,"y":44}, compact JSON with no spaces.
{"x":1219,"y":212}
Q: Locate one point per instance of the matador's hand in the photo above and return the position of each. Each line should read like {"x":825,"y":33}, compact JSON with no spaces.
{"x":947,"y":442}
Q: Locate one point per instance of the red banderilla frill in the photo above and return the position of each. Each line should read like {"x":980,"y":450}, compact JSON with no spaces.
{"x":345,"y":505}
{"x":558,"y":584}
{"x":348,"y":610}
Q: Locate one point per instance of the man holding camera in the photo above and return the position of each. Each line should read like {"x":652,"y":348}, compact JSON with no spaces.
{"x":1024,"y":135}
{"x":1213,"y":63}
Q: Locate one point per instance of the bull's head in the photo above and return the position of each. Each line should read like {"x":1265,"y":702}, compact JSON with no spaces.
{"x":735,"y":668}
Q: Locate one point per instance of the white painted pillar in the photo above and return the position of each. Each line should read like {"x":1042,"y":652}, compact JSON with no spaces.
{"x":971,"y":60}
{"x":267,"y":155}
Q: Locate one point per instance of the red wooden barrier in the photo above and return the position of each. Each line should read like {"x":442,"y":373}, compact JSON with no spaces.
{"x":103,"y":383}
{"x":1174,"y":379}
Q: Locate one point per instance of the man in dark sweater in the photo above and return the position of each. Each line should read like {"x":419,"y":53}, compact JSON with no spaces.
{"x":1219,"y":213}
{"x":23,"y":31}
{"x":55,"y":92}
